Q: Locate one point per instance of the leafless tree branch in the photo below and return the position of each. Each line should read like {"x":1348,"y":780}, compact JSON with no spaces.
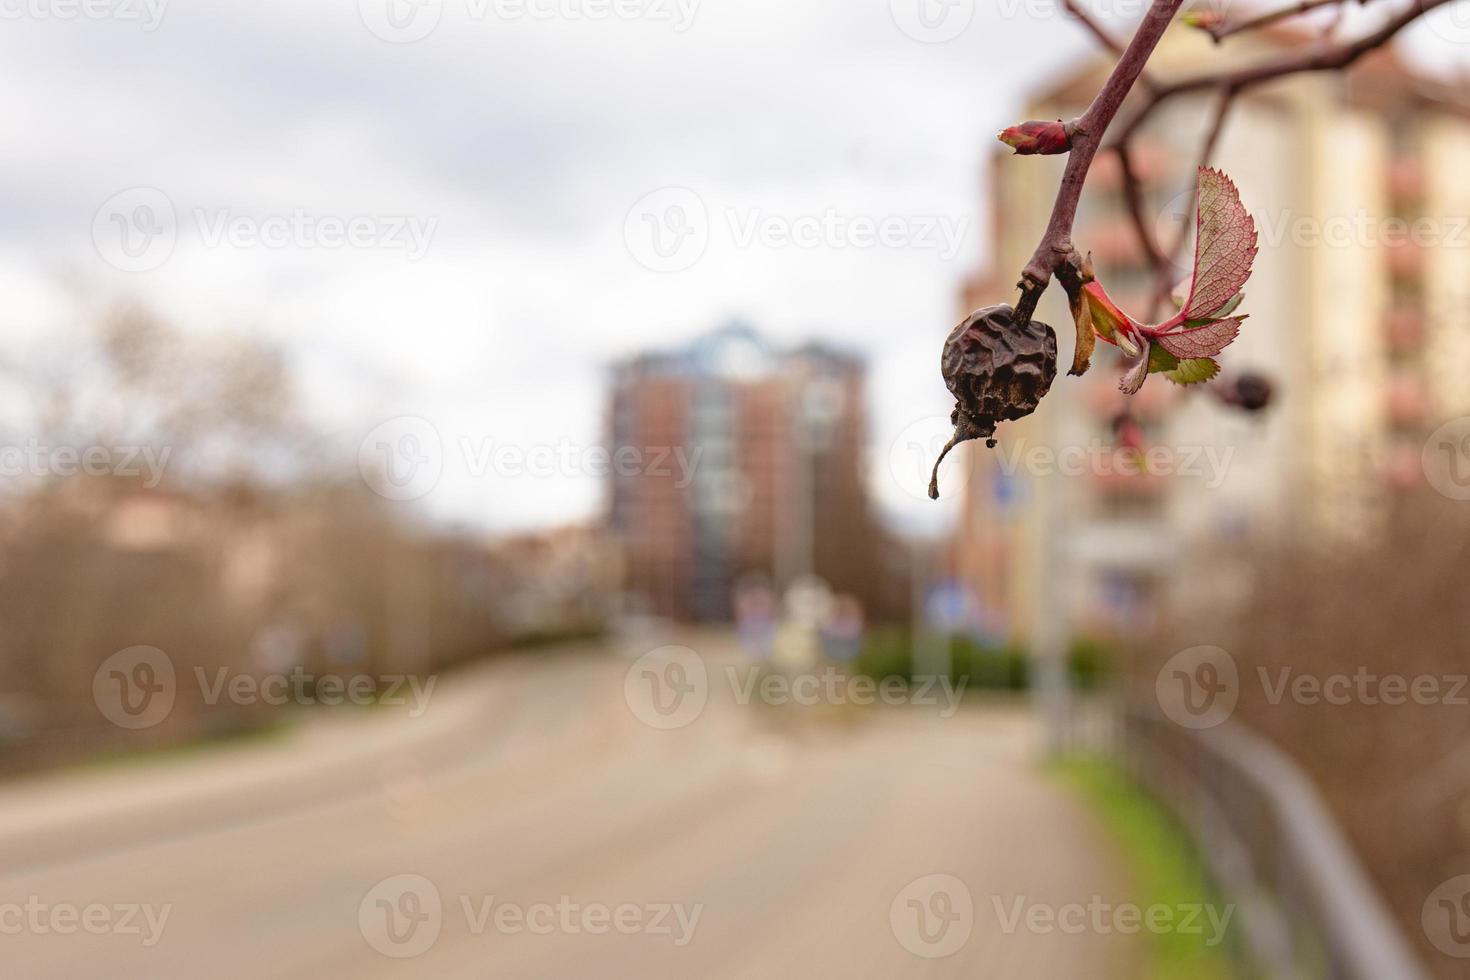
{"x":1272,"y":17}
{"x":1056,"y":254}
{"x":1055,"y":249}
{"x":1103,"y":36}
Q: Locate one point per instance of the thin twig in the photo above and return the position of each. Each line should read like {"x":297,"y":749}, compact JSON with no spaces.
{"x":1133,"y":199}
{"x":1055,"y":251}
{"x":1206,"y":155}
{"x":1055,"y":248}
{"x":1314,"y":60}
{"x":1272,"y":17}
{"x":1103,"y":36}
{"x":1172,"y":258}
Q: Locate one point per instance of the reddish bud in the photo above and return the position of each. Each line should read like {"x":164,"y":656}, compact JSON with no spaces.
{"x":1037,"y":137}
{"x":1205,"y":20}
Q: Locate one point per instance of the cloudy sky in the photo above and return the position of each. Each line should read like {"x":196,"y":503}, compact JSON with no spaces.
{"x":462,"y":210}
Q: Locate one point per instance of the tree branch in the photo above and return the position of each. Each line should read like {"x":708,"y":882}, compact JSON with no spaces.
{"x":1103,"y":37}
{"x":1164,"y":267}
{"x":1314,"y":60}
{"x":1056,"y":252}
{"x":1273,"y":16}
{"x":1133,"y":200}
{"x":1055,"y":248}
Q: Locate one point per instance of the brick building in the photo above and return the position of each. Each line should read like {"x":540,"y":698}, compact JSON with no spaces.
{"x":740,"y":460}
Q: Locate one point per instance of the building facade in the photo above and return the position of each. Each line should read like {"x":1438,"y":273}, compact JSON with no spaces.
{"x":1359,"y":319}
{"x":751,"y":464}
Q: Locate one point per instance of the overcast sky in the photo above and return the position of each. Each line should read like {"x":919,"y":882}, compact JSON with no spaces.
{"x":546,"y":185}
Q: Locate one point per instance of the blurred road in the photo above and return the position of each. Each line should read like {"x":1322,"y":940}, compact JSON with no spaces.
{"x":551,"y":834}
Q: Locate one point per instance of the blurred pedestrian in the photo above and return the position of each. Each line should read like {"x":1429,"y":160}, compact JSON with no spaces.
{"x":842,"y":635}
{"x":808,"y":603}
{"x":755,"y":619}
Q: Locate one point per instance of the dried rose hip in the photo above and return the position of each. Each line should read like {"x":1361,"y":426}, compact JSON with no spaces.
{"x":997,"y":371}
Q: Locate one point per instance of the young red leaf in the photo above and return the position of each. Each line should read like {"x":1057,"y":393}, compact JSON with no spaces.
{"x":1205,"y":341}
{"x":1225,"y":245}
{"x":1137,"y":372}
{"x":1183,"y":347}
{"x":1110,"y":322}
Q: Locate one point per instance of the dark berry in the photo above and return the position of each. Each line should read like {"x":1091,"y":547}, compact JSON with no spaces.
{"x":1252,"y":391}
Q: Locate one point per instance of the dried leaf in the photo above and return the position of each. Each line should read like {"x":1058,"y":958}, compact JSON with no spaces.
{"x":1086,"y":338}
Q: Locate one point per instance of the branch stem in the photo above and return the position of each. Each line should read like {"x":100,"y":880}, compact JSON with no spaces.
{"x":1314,"y":59}
{"x":1272,"y":17}
{"x":1055,"y":248}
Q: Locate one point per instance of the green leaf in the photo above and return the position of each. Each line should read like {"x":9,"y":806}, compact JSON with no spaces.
{"x":1194,"y":370}
{"x":1161,"y":360}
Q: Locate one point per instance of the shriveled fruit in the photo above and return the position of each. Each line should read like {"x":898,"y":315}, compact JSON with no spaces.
{"x":997,"y":371}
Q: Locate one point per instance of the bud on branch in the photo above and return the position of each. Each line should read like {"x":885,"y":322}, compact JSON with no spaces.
{"x":1038,"y":138}
{"x":1209,"y":21}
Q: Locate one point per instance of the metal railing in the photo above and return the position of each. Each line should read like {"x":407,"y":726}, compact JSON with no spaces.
{"x":1305,"y":908}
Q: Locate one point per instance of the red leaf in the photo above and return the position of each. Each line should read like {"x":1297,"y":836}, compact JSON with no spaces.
{"x":1137,"y":372}
{"x":1206,"y":341}
{"x":1225,"y":245}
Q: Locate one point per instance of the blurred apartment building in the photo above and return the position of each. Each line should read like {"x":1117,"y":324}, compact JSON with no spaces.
{"x":740,"y":461}
{"x":1364,"y":331}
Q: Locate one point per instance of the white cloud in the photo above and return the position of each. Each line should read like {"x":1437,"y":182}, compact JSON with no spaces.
{"x":526,"y":141}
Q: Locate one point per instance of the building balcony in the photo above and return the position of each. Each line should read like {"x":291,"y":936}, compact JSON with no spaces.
{"x":1405,"y":260}
{"x":1406,"y":180}
{"x":1403,"y":467}
{"x":1407,"y":400}
{"x":1404,"y":327}
{"x":1131,"y":542}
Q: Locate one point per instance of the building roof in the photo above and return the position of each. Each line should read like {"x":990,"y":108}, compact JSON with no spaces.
{"x":1380,"y":76}
{"x":735,"y":351}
